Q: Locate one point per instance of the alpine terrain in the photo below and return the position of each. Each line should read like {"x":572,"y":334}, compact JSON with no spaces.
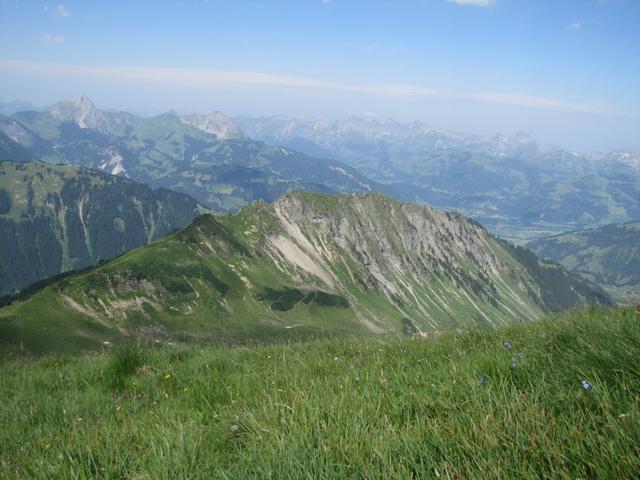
{"x":608,"y":256}
{"x":56,"y":218}
{"x":206,"y":157}
{"x":514,"y":186}
{"x":308,"y":264}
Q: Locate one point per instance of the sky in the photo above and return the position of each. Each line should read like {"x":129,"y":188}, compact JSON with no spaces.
{"x":565,"y":71}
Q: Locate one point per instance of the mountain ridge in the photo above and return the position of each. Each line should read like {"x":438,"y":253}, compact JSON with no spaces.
{"x":56,"y":218}
{"x":308,"y":263}
{"x":608,"y":255}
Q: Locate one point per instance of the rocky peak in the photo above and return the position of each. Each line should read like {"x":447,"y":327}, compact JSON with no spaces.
{"x":82,"y":111}
{"x":216,"y":123}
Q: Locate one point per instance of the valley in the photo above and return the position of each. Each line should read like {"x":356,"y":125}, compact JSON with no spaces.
{"x":608,"y":256}
{"x":519,"y":189}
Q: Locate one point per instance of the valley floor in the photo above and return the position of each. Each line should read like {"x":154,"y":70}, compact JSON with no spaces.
{"x":553,"y":399}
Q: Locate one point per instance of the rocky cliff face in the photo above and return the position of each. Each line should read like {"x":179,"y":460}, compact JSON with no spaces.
{"x":430,"y":265}
{"x":306,"y":264}
{"x":217,"y":123}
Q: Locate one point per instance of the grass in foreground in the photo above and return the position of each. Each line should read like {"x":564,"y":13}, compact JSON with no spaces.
{"x":481,"y":404}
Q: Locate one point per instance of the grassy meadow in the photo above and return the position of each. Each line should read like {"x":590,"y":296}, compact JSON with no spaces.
{"x":552,"y":399}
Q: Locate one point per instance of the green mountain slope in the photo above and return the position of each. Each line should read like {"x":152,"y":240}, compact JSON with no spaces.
{"x":180,"y":153}
{"x":55,"y":218}
{"x":608,"y":256}
{"x":307,"y":264}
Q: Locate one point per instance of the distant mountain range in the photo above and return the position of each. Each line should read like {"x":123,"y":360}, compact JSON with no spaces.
{"x":608,"y":256}
{"x":206,"y":157}
{"x":513,"y":185}
{"x":308,"y":264}
{"x":518,"y":188}
{"x":56,"y":218}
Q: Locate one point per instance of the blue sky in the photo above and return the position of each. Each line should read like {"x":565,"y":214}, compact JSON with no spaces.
{"x":567,"y":72}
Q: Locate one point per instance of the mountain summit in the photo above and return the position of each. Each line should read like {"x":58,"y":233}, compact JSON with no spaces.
{"x":217,"y":123}
{"x":82,"y":111}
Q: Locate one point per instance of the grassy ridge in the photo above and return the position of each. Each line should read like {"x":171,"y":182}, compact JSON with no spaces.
{"x":462,"y":405}
{"x":608,"y":256}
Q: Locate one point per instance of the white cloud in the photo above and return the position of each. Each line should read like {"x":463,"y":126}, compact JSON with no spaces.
{"x":59,"y":11}
{"x":475,"y":3}
{"x":49,"y":39}
{"x":578,"y":24}
{"x":215,"y":79}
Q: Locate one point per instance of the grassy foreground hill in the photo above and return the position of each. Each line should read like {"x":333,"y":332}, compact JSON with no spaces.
{"x":308,"y":264}
{"x":56,"y":218}
{"x":506,"y":403}
{"x":608,"y":256}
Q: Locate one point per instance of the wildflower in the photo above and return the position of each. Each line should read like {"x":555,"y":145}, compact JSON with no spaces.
{"x":336,"y":358}
{"x":514,"y":362}
{"x":167,"y":376}
{"x":521,"y":354}
{"x":46,"y":446}
{"x":482,"y":381}
{"x":233,"y":428}
{"x":185,"y":389}
{"x":586,"y":385}
{"x":507,"y":345}
{"x":117,"y":407}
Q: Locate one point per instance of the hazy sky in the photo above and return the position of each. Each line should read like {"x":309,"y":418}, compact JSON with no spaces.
{"x":567,"y":72}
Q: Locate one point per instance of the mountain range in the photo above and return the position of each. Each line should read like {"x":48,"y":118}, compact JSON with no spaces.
{"x":307,"y":264}
{"x":56,"y":218}
{"x":205,"y":157}
{"x":514,"y":186}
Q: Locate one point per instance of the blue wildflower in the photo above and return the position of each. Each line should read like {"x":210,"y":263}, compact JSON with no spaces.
{"x":482,"y":380}
{"x":514,"y":362}
{"x":586,"y":385}
{"x":507,"y":345}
